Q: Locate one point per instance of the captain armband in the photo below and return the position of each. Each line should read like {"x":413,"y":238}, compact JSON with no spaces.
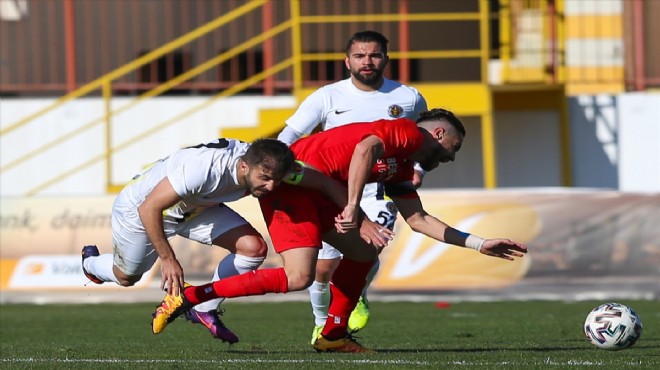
{"x":296,"y":173}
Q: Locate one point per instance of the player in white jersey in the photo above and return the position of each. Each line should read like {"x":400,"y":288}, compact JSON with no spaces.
{"x":185,"y":194}
{"x":366,"y":96}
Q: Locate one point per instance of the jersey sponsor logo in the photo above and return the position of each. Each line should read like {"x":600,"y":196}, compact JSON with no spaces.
{"x":385,"y":168}
{"x":394,"y":111}
{"x":337,"y":111}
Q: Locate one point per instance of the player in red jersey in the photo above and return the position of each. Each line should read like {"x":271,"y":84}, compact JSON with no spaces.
{"x":298,"y":219}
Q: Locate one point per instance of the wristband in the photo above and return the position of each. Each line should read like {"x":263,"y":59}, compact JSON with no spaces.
{"x":419,"y":169}
{"x":474,"y":242}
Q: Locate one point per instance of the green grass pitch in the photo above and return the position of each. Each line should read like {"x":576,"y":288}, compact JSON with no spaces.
{"x":529,"y":335}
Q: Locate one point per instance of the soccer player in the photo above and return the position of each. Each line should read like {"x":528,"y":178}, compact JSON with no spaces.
{"x":363,"y":97}
{"x":185,"y":194}
{"x":298,"y":219}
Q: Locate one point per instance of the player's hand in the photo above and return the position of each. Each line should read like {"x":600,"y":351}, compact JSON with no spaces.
{"x":348,"y":219}
{"x":503,"y":248}
{"x":172,"y":276}
{"x":375,"y":234}
{"x":417,"y":179}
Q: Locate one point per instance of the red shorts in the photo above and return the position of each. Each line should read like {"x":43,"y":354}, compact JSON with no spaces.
{"x":297,"y":217}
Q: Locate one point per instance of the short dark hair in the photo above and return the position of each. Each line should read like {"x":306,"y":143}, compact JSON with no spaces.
{"x":439,"y":114}
{"x":271,"y":154}
{"x":368,"y":36}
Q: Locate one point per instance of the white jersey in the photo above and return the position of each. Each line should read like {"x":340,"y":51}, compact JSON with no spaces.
{"x":341,"y":103}
{"x":204,"y":176}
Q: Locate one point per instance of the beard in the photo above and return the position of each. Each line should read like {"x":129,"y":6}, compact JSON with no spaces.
{"x":433,"y":160}
{"x":429,"y":165}
{"x":371,"y":80}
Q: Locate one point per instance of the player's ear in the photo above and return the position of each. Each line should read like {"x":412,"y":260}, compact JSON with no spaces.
{"x":243,"y":166}
{"x":346,"y":63}
{"x":438,"y":133}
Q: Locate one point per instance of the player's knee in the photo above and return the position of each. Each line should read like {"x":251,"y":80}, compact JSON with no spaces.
{"x":299,"y":281}
{"x":325,"y":268}
{"x":128,"y":280}
{"x":252,"y":246}
{"x":323,"y":275}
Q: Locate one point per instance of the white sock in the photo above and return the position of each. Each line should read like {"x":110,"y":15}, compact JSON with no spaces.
{"x":370,"y":277}
{"x":319,"y":297}
{"x":233,"y":264}
{"x":101,"y":267}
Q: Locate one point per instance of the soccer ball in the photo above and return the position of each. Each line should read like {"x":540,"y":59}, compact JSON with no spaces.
{"x":613,"y":326}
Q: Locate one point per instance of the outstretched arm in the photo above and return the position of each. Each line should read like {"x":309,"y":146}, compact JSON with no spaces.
{"x":412,"y":211}
{"x":151,"y":210}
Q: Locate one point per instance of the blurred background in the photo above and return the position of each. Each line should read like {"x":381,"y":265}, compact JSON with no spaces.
{"x":561,"y":100}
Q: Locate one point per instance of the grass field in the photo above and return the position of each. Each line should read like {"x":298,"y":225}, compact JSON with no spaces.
{"x":275,"y":336}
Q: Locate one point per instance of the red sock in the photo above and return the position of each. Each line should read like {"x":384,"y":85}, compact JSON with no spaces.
{"x":255,"y":282}
{"x":346,"y":286}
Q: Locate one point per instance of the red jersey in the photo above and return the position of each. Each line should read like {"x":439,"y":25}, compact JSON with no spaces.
{"x":331,"y":151}
{"x":297,"y":217}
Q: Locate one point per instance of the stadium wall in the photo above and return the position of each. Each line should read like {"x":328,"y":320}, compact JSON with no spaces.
{"x":612,"y":137}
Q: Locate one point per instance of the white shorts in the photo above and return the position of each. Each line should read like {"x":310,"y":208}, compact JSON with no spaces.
{"x":134,"y":253}
{"x":382,"y":212}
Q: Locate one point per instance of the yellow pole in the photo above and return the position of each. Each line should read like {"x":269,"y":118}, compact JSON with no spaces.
{"x":484,"y":26}
{"x":487,"y":126}
{"x":561,"y":42}
{"x":296,"y":43}
{"x":488,"y":147}
{"x":107,"y":98}
{"x":505,"y":39}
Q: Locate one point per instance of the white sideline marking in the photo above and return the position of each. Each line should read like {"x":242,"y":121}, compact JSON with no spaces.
{"x":225,"y":361}
{"x":548,"y":361}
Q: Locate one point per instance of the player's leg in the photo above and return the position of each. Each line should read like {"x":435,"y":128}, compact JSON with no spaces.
{"x":297,"y":242}
{"x":383,"y":212}
{"x":319,"y":291}
{"x":296,"y":274}
{"x":348,"y":281}
{"x":223,"y":227}
{"x":132,"y":255}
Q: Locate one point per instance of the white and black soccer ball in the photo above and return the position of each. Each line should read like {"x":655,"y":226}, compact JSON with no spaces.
{"x":613,"y":326}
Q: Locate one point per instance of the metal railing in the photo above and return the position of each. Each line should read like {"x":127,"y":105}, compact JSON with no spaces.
{"x":294,"y":63}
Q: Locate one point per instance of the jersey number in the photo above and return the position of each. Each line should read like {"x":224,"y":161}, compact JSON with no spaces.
{"x":218,"y":144}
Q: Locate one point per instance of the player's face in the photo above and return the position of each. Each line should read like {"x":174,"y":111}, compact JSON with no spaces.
{"x":366,"y":62}
{"x":260,"y":181}
{"x":447,"y":145}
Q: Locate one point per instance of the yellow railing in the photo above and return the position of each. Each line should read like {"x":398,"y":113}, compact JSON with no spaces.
{"x":295,"y":62}
{"x":105,"y":82}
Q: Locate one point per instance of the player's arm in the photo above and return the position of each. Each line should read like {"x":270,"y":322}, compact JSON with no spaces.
{"x":151,"y":210}
{"x":420,"y":221}
{"x":303,"y":121}
{"x":289,"y":135}
{"x":305,"y":175}
{"x":364,"y":157}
